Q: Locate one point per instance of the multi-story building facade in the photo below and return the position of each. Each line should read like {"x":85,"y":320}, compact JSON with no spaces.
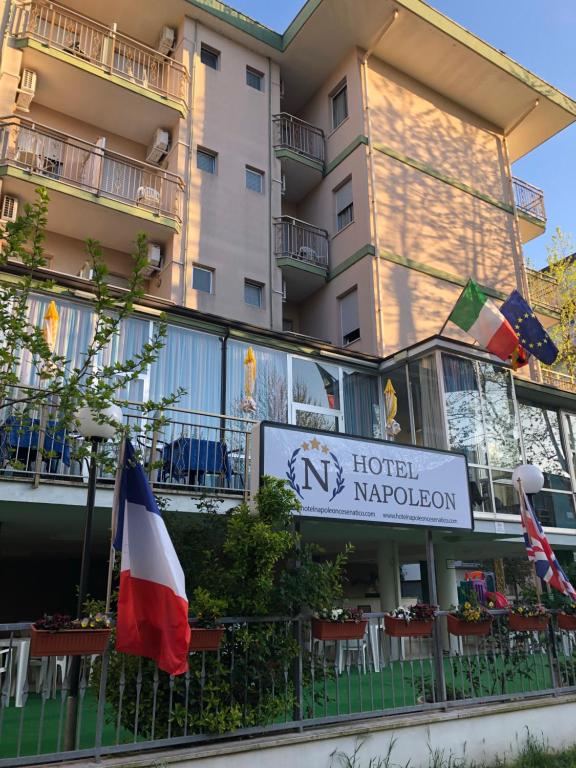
{"x":321,"y":195}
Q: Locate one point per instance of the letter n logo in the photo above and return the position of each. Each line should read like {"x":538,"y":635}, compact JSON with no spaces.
{"x":309,"y":467}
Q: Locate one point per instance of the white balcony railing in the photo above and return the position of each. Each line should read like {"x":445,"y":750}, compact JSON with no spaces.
{"x":298,"y":240}
{"x":104,"y":47}
{"x":529,"y":199}
{"x":54,"y":155}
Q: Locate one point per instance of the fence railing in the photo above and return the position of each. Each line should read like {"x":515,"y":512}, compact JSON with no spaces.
{"x":292,"y":133}
{"x":558,"y":379}
{"x":301,"y":241}
{"x":54,"y":155}
{"x":104,"y":47}
{"x":268,"y":674}
{"x":543,"y":289}
{"x":529,"y":199}
{"x":181,"y":449}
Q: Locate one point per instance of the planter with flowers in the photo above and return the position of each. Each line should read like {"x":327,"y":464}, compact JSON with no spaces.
{"x":469,"y":619}
{"x":410,"y":621}
{"x":59,"y":635}
{"x":566,"y":618}
{"x":206,"y":631}
{"x":339,"y":624}
{"x":528,"y":617}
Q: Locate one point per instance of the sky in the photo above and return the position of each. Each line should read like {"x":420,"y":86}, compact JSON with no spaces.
{"x":539,"y":34}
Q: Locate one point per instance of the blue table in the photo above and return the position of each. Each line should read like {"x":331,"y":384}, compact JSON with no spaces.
{"x":193,"y":459}
{"x":19,"y":440}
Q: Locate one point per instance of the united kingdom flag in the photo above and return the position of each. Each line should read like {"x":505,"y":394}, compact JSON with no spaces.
{"x":540,"y":552}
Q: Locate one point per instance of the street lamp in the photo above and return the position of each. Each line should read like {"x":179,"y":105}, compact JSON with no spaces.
{"x":96,"y":428}
{"x":528,"y":477}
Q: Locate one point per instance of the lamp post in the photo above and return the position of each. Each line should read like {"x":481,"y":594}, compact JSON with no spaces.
{"x":529,"y":478}
{"x":96,"y":431}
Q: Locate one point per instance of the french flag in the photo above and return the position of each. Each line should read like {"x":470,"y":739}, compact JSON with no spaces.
{"x":152,"y":616}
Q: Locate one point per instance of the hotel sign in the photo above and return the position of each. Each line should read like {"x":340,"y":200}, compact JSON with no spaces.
{"x":347,"y":478}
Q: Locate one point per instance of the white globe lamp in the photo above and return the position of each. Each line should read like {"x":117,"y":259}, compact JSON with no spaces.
{"x":530,"y":477}
{"x":90,"y":427}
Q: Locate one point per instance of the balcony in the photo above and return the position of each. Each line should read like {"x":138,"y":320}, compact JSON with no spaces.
{"x":32,"y":155}
{"x":302,"y":252}
{"x":301,"y":149}
{"x":69,"y":50}
{"x":558,"y":379}
{"x":543,"y":289}
{"x":531,"y":211}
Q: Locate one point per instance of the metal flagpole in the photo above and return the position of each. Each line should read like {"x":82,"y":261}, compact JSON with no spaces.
{"x":537,"y":582}
{"x":441,"y":331}
{"x":113,"y":521}
{"x":437,"y":637}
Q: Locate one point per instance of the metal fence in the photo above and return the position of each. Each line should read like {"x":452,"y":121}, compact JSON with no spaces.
{"x":292,"y":133}
{"x":268,"y":674}
{"x":529,"y":199}
{"x":54,"y":155}
{"x":181,"y":449}
{"x":295,"y":239}
{"x":543,"y":289}
{"x":104,"y":47}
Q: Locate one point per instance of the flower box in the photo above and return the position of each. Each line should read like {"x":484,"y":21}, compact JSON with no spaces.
{"x":566,"y":621}
{"x":68,"y":642}
{"x":518,"y":623}
{"x":322,"y":629}
{"x":204,"y":639}
{"x":462,"y":628}
{"x":396,"y":627}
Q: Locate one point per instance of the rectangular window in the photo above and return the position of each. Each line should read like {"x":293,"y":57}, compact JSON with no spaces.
{"x":254,"y":79}
{"x":254,"y":180}
{"x":206,"y":160}
{"x":339,"y":101}
{"x":253,"y":294}
{"x":202,"y":279}
{"x":349,"y":317}
{"x":210,"y":56}
{"x":344,"y":205}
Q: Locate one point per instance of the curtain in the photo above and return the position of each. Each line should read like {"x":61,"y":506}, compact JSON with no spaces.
{"x":426,"y":403}
{"x":270,"y":393}
{"x":361,"y":404}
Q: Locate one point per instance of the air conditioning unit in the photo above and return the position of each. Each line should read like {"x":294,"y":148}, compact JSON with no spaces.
{"x":154,"y":259}
{"x":167,"y":40}
{"x":159,"y":146}
{"x":9,"y":210}
{"x":27,"y":89}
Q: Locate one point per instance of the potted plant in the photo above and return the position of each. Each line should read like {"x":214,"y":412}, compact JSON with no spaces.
{"x":469,"y":619}
{"x":526,"y":616}
{"x":410,"y":621}
{"x":566,"y":618}
{"x":339,"y":624}
{"x":205,"y":630}
{"x":59,"y":635}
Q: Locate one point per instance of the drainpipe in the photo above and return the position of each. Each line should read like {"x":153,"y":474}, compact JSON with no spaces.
{"x":271,"y":261}
{"x":189,"y":159}
{"x":373,"y":201}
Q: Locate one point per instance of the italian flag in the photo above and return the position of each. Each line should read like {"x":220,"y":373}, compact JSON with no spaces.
{"x":481,"y":318}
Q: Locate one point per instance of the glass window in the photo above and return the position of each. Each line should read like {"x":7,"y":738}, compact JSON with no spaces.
{"x":344,"y":205}
{"x":543,"y":445}
{"x":202,"y":279}
{"x":339,"y":99}
{"x":253,"y":294}
{"x":349,"y":322}
{"x":254,"y":180}
{"x":206,"y":160}
{"x":464,"y":408}
{"x":429,"y":430}
{"x":571,"y":437}
{"x":271,"y":388}
{"x":254,"y":79}
{"x":309,"y":420}
{"x":126,"y":345}
{"x":555,"y":509}
{"x":500,"y":423}
{"x":315,"y":383}
{"x":397,"y":378}
{"x":210,"y":56}
{"x":361,"y":407}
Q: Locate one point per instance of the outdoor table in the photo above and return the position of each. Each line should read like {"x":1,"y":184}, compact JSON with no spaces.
{"x":19,"y":440}
{"x":194,"y":458}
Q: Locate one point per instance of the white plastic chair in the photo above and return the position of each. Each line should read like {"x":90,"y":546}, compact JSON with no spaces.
{"x":5,"y":673}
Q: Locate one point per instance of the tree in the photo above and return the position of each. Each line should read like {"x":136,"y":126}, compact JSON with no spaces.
{"x":562,"y":269}
{"x":67,"y":385}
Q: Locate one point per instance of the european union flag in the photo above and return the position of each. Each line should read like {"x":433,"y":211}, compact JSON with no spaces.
{"x":531,"y":333}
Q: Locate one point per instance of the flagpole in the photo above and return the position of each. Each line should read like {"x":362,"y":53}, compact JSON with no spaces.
{"x":441,"y":331}
{"x":113,"y":522}
{"x":537,"y":582}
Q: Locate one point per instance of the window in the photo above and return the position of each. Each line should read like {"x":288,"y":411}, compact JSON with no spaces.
{"x":254,"y":180}
{"x":202,"y":279}
{"x":349,"y":317}
{"x":210,"y":56}
{"x":206,"y":160}
{"x":254,"y":79}
{"x":339,"y":101}
{"x":344,"y":205}
{"x":253,"y":294}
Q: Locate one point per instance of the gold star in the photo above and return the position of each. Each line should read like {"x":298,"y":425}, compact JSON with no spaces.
{"x":315,"y":444}
{"x":305,"y":447}
{"x":531,"y":346}
{"x":325,"y":449}
{"x":539,"y":344}
{"x":533,"y":315}
{"x":526,"y":315}
{"x":520,"y":319}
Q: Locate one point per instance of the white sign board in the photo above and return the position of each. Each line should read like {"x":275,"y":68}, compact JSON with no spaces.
{"x":347,"y":478}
